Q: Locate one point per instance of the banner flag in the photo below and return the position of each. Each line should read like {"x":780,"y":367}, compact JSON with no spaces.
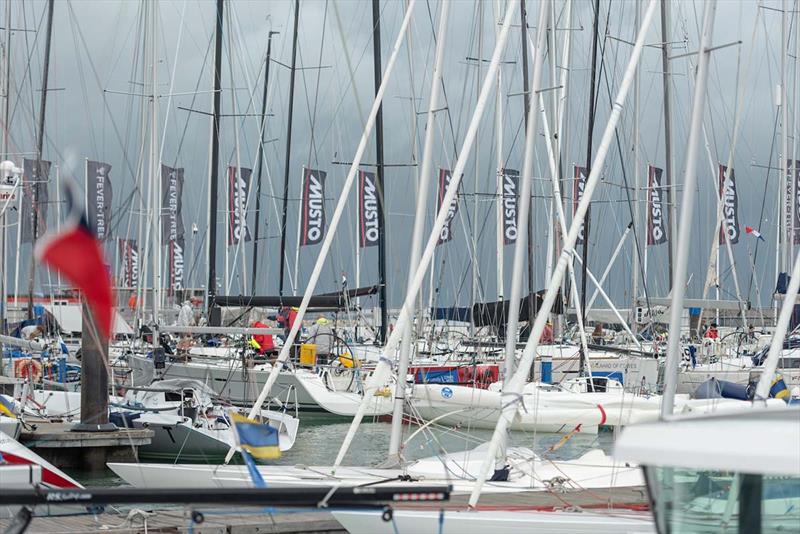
{"x":176,"y":251}
{"x":129,"y":258}
{"x":730,"y":207}
{"x":510,"y":202}
{"x":99,"y":196}
{"x":578,"y":186}
{"x":444,"y":184}
{"x":171,"y":204}
{"x":34,"y":199}
{"x":368,"y":220}
{"x":238,"y":188}
{"x":656,"y":224}
{"x":312,"y":218}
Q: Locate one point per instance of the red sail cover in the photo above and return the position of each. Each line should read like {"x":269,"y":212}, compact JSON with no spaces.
{"x":510,"y":196}
{"x":444,"y":183}
{"x":730,"y":206}
{"x":368,"y":220}
{"x":312,"y":215}
{"x":656,"y":222}
{"x":578,"y":186}
{"x":238,"y":188}
{"x":129,"y":259}
{"x":76,"y":253}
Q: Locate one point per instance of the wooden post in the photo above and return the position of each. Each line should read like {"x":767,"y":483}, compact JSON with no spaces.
{"x":94,"y":378}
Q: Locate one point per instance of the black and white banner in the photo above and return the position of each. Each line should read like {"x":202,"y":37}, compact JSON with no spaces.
{"x":176,"y":250}
{"x":656,"y":193}
{"x":730,"y":205}
{"x":99,"y":195}
{"x":578,"y":186}
{"x":34,"y":199}
{"x":446,"y":234}
{"x":312,"y":214}
{"x":238,"y":188}
{"x":510,"y":204}
{"x":794,"y":178}
{"x":129,"y":263}
{"x":368,"y":220}
{"x":171,"y":204}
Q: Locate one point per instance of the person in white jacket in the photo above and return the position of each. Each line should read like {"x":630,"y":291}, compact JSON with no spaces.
{"x":186,"y":315}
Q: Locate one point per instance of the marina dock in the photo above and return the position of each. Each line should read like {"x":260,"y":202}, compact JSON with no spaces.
{"x":176,"y":520}
{"x":58,"y":444}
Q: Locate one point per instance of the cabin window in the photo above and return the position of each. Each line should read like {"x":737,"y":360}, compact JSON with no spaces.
{"x":691,"y":500}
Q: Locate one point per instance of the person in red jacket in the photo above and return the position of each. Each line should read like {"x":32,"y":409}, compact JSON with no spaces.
{"x":265,"y":342}
{"x":712,"y":332}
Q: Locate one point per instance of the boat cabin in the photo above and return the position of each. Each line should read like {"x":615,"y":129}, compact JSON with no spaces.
{"x":737,"y":472}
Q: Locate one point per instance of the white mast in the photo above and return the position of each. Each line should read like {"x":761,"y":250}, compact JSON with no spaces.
{"x":786,"y":185}
{"x":426,"y":171}
{"x":796,"y":121}
{"x":512,"y":390}
{"x":562,"y":143}
{"x":383,"y":369}
{"x":526,"y":178}
{"x":474,"y":237}
{"x":687,"y":209}
{"x":498,"y":113}
{"x":155,"y":179}
{"x":17,"y":189}
{"x":637,"y":184}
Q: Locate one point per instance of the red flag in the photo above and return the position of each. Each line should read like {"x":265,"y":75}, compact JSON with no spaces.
{"x":76,"y":253}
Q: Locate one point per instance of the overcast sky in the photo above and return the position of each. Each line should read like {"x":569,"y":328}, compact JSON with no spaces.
{"x":96,"y":110}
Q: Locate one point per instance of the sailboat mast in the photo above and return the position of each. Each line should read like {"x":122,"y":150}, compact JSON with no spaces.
{"x":498,"y":114}
{"x":668,"y":167}
{"x":473,"y":294}
{"x":587,"y":218}
{"x":527,"y":108}
{"x":261,"y":161}
{"x":787,"y":234}
{"x":419,"y":228}
{"x":287,"y":165}
{"x":214,"y":318}
{"x":6,"y":127}
{"x":155,"y":182}
{"x":637,"y":184}
{"x":7,"y":82}
{"x":687,"y":209}
{"x":39,"y":148}
{"x":379,"y":186}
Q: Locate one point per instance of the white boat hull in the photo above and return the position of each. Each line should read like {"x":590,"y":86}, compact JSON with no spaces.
{"x":496,"y":522}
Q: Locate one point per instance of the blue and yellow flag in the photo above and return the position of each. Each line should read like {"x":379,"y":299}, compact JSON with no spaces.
{"x":260,"y":440}
{"x":778,"y":388}
{"x":7,"y":407}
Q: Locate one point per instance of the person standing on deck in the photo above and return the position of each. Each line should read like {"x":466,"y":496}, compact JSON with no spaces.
{"x":321,"y":335}
{"x":186,"y":315}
